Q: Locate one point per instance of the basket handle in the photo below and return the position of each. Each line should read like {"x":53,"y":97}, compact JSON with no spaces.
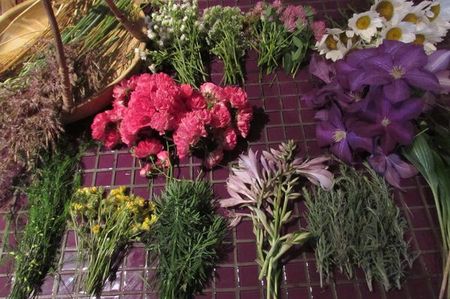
{"x":130,"y":26}
{"x":60,"y":57}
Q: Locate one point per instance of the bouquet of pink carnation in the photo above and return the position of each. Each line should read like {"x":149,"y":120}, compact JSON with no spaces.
{"x":152,"y":114}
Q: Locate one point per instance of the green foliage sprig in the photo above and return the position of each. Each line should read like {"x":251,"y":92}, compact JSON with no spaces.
{"x":226,"y":39}
{"x":357,"y":224}
{"x":184,"y":242}
{"x":48,"y":197}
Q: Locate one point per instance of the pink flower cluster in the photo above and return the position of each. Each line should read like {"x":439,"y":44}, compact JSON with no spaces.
{"x":152,"y":110}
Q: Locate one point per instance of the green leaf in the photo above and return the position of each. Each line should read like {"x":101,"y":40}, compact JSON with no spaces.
{"x":296,"y":55}
{"x":287,"y":62}
{"x":297,"y":42}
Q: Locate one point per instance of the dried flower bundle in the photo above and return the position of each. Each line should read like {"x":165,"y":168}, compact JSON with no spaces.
{"x":358,"y":225}
{"x":267,"y":186}
{"x":282,"y":34}
{"x":105,"y":227}
{"x":425,"y":24}
{"x":184,"y":242}
{"x":48,"y":198}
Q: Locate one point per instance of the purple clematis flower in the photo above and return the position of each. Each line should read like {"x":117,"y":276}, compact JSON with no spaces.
{"x":333,"y":132}
{"x":397,"y":67}
{"x":392,"y":167}
{"x":322,"y":69}
{"x":392,"y":123}
{"x":438,"y":63}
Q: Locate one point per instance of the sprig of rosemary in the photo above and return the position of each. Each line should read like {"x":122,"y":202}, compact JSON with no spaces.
{"x":357,"y":224}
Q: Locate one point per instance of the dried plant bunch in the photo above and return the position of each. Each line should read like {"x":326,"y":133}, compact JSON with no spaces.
{"x":184,"y":243}
{"x":358,"y":225}
{"x":267,"y":185}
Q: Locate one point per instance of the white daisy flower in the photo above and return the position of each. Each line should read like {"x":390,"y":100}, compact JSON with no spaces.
{"x":331,"y":45}
{"x":439,"y":16}
{"x":403,"y":31}
{"x":416,"y":15}
{"x":392,"y":11}
{"x":365,"y":24}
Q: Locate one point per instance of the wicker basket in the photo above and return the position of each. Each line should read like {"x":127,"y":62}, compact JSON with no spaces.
{"x":25,"y":24}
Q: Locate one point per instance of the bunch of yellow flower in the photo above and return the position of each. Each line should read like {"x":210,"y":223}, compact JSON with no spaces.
{"x":105,"y":225}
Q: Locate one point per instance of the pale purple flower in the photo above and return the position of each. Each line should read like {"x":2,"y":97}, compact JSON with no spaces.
{"x":391,"y":167}
{"x":438,"y":63}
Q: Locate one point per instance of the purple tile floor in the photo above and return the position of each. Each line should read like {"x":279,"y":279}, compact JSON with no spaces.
{"x":236,"y":276}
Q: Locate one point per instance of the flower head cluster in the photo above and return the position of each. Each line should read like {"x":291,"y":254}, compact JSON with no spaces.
{"x":424,"y":24}
{"x":371,"y":100}
{"x":283,"y":33}
{"x":148,"y":109}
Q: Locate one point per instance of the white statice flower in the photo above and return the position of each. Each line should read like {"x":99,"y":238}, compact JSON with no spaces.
{"x":185,"y":18}
{"x":392,"y":11}
{"x":183,"y":37}
{"x":403,"y":31}
{"x":182,"y":28}
{"x":151,"y":35}
{"x":161,"y":43}
{"x":152,"y":68}
{"x":332,"y":46}
{"x":366,"y":24}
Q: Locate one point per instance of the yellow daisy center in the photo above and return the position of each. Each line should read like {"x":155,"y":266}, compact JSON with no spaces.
{"x":420,"y":39}
{"x":385,"y":122}
{"x":397,"y":72}
{"x":363,"y":22}
{"x":385,"y":9}
{"x":394,"y":34}
{"x":411,"y":18}
{"x":339,"y":135}
{"x":436,"y":10}
{"x":331,"y":43}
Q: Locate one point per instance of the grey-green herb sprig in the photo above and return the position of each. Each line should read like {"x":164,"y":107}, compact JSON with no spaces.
{"x":266,"y":185}
{"x":357,"y":225}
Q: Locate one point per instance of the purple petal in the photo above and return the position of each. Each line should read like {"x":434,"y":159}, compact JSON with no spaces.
{"x":359,"y":79}
{"x":397,"y":91}
{"x":388,"y":143}
{"x":438,"y":61}
{"x":405,"y":170}
{"x":325,"y":133}
{"x":411,"y":58}
{"x":342,"y":151}
{"x":382,"y":62}
{"x":355,"y":58}
{"x":321,"y":69}
{"x":322,"y":115}
{"x":365,"y":129}
{"x":423,"y":80}
{"x":392,"y":177}
{"x":444,"y":81}
{"x":358,"y":142}
{"x":321,"y":177}
{"x":403,"y":133}
{"x":392,"y":47}
{"x":408,"y":110}
{"x":378,"y":162}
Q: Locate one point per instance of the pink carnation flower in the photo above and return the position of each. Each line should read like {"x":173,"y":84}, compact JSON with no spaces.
{"x":147,"y":148}
{"x":220,"y":116}
{"x":104,"y":129}
{"x":214,"y":158}
{"x":193,"y":99}
{"x":237,"y":97}
{"x":319,"y":28}
{"x":276,"y":4}
{"x":163,"y":159}
{"x":244,"y":118}
{"x":229,"y":139}
{"x":189,"y":132}
{"x":212,"y":92}
{"x":146,"y":170}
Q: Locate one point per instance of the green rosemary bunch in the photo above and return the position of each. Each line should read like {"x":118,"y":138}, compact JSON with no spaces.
{"x":48,"y":198}
{"x":185,"y":239}
{"x":357,"y":224}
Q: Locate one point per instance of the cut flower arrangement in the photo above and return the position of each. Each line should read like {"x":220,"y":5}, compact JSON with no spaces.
{"x":104,"y":228}
{"x":282,"y":34}
{"x":424,"y":24}
{"x":266,"y":184}
{"x":154,"y":115}
{"x":372,"y":100}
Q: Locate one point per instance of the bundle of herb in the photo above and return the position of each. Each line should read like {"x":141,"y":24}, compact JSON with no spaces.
{"x":185,"y":240}
{"x":266,"y":186}
{"x":226,"y":39}
{"x":104,"y":228}
{"x":357,"y":224}
{"x":176,"y":36}
{"x":283,"y":34}
{"x":48,"y":198}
